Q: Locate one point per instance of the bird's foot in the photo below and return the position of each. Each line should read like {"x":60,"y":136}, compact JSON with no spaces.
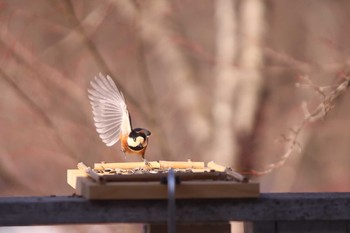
{"x":148,"y":164}
{"x":124,"y":153}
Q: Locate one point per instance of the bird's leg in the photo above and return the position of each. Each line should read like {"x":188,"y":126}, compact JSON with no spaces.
{"x":123,"y":153}
{"x":148,"y":164}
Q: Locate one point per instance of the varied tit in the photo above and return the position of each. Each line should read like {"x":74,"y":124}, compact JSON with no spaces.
{"x":112,"y":119}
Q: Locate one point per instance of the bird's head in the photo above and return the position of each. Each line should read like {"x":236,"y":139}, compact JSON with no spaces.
{"x":138,"y":138}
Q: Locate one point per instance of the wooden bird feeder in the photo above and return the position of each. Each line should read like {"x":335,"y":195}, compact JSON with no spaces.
{"x":138,"y":180}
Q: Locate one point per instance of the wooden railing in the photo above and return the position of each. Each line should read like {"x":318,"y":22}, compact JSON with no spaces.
{"x":274,"y":212}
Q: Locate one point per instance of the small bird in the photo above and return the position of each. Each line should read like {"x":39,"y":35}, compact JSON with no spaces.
{"x":112,"y":118}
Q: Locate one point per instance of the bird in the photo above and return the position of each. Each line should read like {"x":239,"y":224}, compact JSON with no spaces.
{"x":112,"y":118}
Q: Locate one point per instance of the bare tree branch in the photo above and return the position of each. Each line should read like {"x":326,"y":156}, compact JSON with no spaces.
{"x":320,"y":112}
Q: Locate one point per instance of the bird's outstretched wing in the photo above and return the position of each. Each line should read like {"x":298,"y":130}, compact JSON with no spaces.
{"x":110,"y":112}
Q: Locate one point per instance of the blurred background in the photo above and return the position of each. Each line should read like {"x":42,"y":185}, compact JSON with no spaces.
{"x":219,"y":80}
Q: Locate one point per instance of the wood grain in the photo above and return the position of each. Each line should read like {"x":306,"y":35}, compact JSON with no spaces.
{"x":156,"y":190}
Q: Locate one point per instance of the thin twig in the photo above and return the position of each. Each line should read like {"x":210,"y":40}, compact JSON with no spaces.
{"x":318,"y":113}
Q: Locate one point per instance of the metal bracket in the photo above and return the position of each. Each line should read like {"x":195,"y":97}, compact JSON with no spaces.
{"x":171,"y":201}
{"x":171,"y":181}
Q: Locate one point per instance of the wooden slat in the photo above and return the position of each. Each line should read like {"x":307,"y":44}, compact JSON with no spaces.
{"x":129,"y":165}
{"x":216,"y":167}
{"x":184,"y":176}
{"x":153,"y":164}
{"x":72,"y":175}
{"x":181,"y":164}
{"x":156,"y":190}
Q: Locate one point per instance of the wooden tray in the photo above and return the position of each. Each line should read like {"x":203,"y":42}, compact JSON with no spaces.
{"x":208,"y":183}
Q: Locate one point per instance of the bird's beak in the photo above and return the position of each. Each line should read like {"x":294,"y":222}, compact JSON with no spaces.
{"x":147,"y":132}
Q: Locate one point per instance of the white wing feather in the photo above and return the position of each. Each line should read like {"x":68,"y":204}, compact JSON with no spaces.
{"x":110,"y":112}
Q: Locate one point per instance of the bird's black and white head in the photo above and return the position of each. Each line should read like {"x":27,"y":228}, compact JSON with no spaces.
{"x":138,"y":139}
